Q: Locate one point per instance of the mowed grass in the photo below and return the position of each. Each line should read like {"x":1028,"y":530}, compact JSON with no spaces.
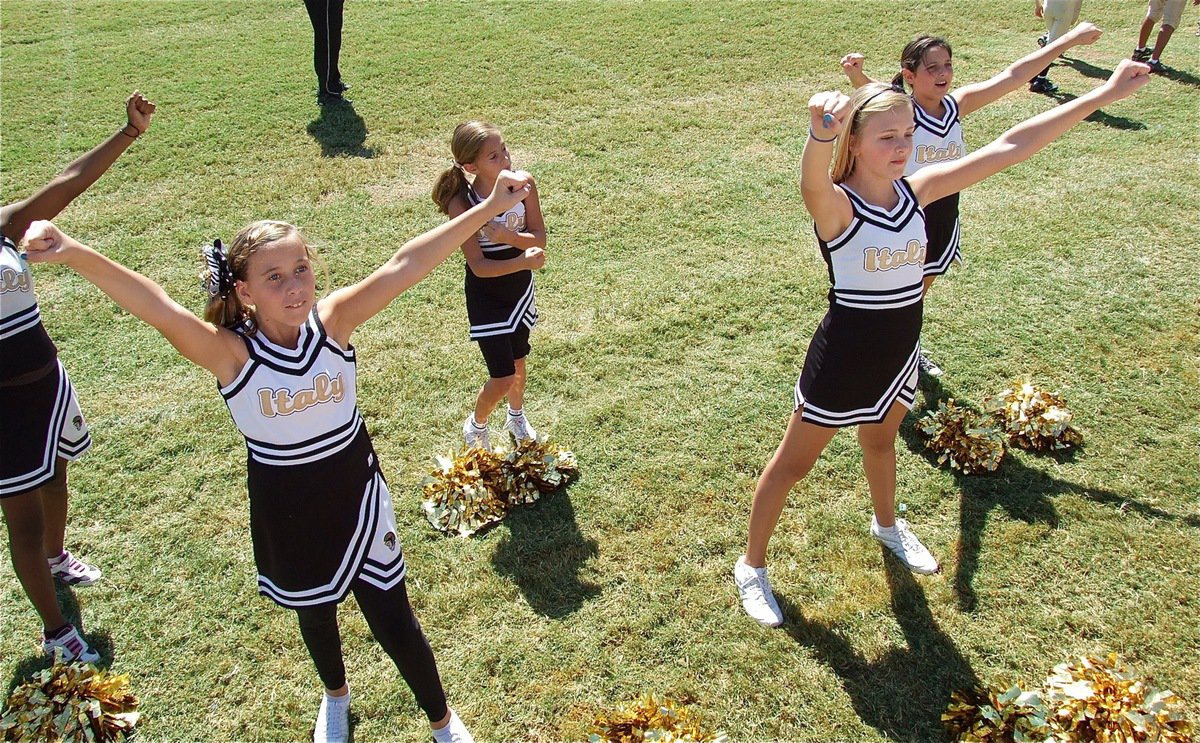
{"x":681,"y":289}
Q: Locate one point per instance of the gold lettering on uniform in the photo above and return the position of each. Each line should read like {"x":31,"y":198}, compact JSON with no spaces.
{"x":283,"y":402}
{"x":885,"y":259}
{"x":927,"y":153}
{"x":514,"y":221}
{"x":13,"y":281}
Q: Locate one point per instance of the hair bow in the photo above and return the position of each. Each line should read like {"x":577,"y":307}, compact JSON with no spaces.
{"x":218,"y":279}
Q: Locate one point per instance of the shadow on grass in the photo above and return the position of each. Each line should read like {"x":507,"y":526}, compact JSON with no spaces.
{"x":1090,"y":70}
{"x":1099,"y":117}
{"x":1023,"y":492}
{"x":341,"y":131}
{"x":1086,"y":69}
{"x":543,"y":553}
{"x":902,"y":693}
{"x":100,"y":641}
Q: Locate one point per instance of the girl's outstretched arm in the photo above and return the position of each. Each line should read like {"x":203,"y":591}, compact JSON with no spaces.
{"x":825,"y":201}
{"x":216,"y":349}
{"x":48,"y":202}
{"x":977,"y":95}
{"x":346,"y":309}
{"x":1024,"y":139}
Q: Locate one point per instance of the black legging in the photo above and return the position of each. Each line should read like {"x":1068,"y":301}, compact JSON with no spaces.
{"x":396,"y":629}
{"x":326,"y":17}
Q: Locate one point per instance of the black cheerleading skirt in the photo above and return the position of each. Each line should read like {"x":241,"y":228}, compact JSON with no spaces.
{"x":498,"y":305}
{"x":318,"y":526}
{"x":858,"y":364}
{"x":42,"y":423}
{"x":942,"y":236}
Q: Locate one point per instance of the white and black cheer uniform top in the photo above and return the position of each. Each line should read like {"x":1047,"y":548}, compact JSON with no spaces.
{"x":863,"y":356}
{"x":320,"y":511}
{"x":25,"y":347}
{"x":41,"y":417}
{"x":499,"y":304}
{"x":938,"y":140}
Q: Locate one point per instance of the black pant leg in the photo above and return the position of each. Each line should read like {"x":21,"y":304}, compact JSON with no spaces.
{"x":391,"y":619}
{"x":335,"y":43}
{"x":319,"y":628}
{"x":326,"y":19}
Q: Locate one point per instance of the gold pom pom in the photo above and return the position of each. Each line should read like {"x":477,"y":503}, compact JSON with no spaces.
{"x":70,"y":702}
{"x":963,"y":438}
{"x":1099,"y":699}
{"x":474,"y":488}
{"x":1033,"y":418}
{"x":650,"y":719}
{"x":995,"y":715}
{"x":1087,"y":700}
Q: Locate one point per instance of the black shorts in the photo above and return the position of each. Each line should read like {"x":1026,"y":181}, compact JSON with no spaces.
{"x":501,"y":351}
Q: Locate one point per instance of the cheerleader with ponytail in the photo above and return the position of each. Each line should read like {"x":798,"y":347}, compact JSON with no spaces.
{"x":501,"y":259}
{"x":321,"y":517}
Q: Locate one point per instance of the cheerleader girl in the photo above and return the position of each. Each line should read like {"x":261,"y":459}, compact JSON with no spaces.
{"x":501,"y":260}
{"x":43,"y":427}
{"x":321,"y":517}
{"x":861,"y":366}
{"x":926,"y":68}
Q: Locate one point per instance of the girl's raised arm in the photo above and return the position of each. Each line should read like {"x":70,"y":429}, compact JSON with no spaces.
{"x":852,"y":65}
{"x":1024,"y":139}
{"x":216,"y":349}
{"x":828,"y":204}
{"x":52,"y":198}
{"x":346,"y":309}
{"x":977,"y":95}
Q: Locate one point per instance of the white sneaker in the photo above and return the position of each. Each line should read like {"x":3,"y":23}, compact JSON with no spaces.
{"x":755,"y":590}
{"x":519,"y":427}
{"x":73,"y":647}
{"x":905,"y":546}
{"x":454,"y":732}
{"x":333,"y":720}
{"x":71,"y":570}
{"x":474,"y":435}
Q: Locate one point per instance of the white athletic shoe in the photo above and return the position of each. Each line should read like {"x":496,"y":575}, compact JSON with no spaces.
{"x":519,"y":427}
{"x":757,"y":597}
{"x":333,"y":720}
{"x":71,"y":570}
{"x":74,"y":647}
{"x":454,"y":732}
{"x":905,"y":546}
{"x":475,"y":436}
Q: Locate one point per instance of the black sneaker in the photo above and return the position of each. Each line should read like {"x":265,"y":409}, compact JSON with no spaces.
{"x":1141,"y":54}
{"x":1043,"y":39}
{"x":1157,"y":66}
{"x":927,"y":367}
{"x":342,"y":86}
{"x":331,"y":99}
{"x":1042,"y":85}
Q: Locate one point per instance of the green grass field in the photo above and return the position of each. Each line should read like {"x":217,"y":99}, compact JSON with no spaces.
{"x":681,"y":288}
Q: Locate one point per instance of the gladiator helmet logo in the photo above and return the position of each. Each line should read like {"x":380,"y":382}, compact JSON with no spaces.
{"x":78,"y":422}
{"x":389,"y":540}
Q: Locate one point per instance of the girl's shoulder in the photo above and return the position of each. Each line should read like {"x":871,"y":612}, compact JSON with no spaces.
{"x":458,"y":204}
